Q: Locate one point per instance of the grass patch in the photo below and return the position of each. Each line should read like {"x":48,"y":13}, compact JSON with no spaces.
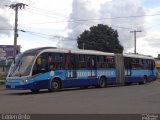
{"x":2,"y":83}
{"x":2,"y":78}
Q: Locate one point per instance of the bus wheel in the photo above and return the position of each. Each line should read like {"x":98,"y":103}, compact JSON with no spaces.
{"x":102,"y":82}
{"x":55,"y":85}
{"x":35,"y":90}
{"x":144,"y":80}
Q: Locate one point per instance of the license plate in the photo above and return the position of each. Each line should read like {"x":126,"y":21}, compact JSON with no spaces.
{"x":12,"y":86}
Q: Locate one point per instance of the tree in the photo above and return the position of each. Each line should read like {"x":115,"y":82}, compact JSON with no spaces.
{"x":101,"y":38}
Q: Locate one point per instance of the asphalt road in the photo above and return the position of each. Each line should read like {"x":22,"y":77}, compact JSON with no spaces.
{"x":123,"y":99}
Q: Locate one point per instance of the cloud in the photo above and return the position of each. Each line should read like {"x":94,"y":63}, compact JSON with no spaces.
{"x":81,"y":10}
{"x":5,"y":25}
{"x":152,"y":22}
{"x":149,"y":44}
{"x":153,"y":39}
{"x":125,"y":8}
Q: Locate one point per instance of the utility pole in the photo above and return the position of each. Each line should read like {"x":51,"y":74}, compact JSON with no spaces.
{"x":16,"y":7}
{"x":83,"y":45}
{"x":135,"y":31}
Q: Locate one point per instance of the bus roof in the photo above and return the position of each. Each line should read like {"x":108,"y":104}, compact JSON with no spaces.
{"x":78,"y":51}
{"x":38,"y":49}
{"x":137,"y":56}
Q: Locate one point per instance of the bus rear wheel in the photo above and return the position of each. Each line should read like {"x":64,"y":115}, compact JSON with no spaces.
{"x":144,"y":80}
{"x":55,"y":85}
{"x":102,"y":82}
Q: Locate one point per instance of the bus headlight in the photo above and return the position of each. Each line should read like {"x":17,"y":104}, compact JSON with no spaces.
{"x":24,"y":81}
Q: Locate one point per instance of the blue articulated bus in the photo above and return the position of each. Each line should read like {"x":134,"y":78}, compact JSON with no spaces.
{"x":55,"y":69}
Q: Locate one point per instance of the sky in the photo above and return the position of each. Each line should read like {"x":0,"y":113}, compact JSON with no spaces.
{"x":59,"y":22}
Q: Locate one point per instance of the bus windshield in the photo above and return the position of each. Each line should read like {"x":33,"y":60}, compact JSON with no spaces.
{"x":22,"y":65}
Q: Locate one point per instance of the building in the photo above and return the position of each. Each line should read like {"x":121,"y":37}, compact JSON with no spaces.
{"x":6,"y":53}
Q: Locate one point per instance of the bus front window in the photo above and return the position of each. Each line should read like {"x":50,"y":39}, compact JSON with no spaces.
{"x":22,"y":66}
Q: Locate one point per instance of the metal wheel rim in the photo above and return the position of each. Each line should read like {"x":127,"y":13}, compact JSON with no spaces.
{"x":55,"y":85}
{"x":102,"y":82}
{"x":144,"y":80}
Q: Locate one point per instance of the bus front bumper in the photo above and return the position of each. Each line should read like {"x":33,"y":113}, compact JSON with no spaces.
{"x":18,"y":85}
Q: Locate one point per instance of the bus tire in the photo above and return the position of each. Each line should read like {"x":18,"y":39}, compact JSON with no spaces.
{"x":144,"y":80}
{"x":102,"y":82}
{"x":55,"y":85}
{"x":35,"y":90}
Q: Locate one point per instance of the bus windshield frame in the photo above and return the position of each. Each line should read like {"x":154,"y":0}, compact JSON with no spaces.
{"x":22,"y":66}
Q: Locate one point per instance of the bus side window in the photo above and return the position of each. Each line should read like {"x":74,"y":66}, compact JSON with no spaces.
{"x":82,"y":61}
{"x":72,"y":62}
{"x":41,"y":64}
{"x":44,"y":66}
{"x":90,"y":61}
{"x":127,"y":63}
{"x":102,"y":62}
{"x":59,"y":60}
{"x":152,"y":64}
{"x":93,"y":64}
{"x":134,"y":64}
{"x":38,"y":64}
{"x":111,"y":62}
{"x":51,"y":63}
{"x":98,"y":62}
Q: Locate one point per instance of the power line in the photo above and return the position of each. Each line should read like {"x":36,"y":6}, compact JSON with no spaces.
{"x":46,"y":15}
{"x":4,"y":3}
{"x":52,"y":13}
{"x":82,"y":20}
{"x":34,"y":32}
{"x":42,"y":35}
{"x":50,"y":22}
{"x":119,"y":17}
{"x":78,"y":21}
{"x":46,"y":36}
{"x":123,"y":17}
{"x":75,"y":23}
{"x":6,"y":29}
